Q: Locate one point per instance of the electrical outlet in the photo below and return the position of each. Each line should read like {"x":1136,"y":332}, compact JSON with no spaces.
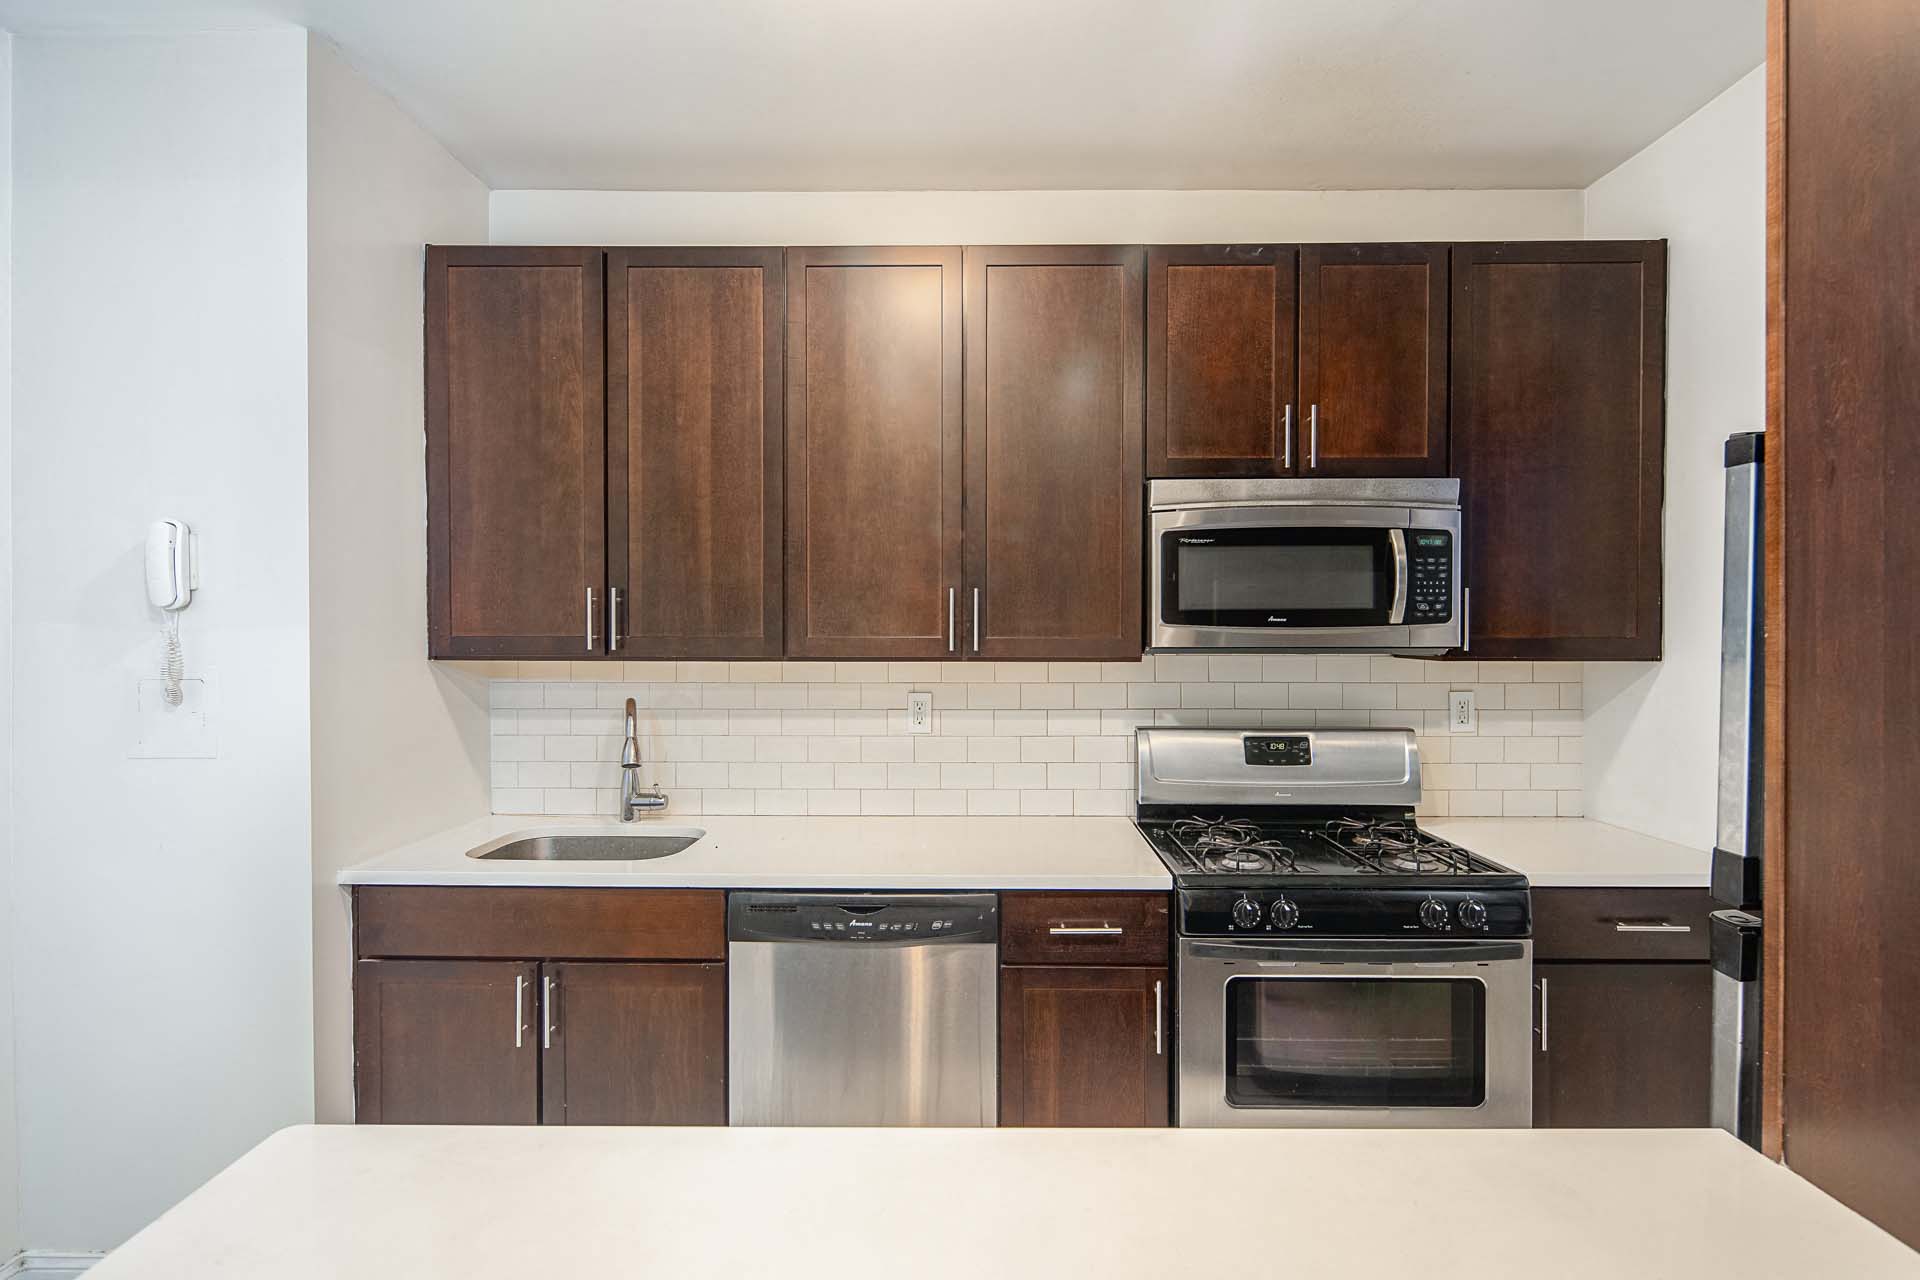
{"x":919,"y":713}
{"x":1461,"y":715}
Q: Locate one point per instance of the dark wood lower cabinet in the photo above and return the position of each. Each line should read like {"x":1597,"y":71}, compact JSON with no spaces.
{"x":446,"y":1042}
{"x":634,"y":1044}
{"x":1622,"y":1045}
{"x":1084,"y":1046}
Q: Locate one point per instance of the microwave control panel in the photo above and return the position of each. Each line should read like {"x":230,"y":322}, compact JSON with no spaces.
{"x":1430,"y":566}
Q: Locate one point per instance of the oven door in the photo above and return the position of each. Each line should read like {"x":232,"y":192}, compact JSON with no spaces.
{"x":1303,"y":577}
{"x":1355,"y":1034}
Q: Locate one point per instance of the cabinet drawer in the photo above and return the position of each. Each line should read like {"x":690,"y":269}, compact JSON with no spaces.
{"x":454,"y":923}
{"x":1620,"y":924}
{"x":1083,"y":928}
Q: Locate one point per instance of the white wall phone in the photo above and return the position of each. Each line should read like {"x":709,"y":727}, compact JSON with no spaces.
{"x":172,"y":574}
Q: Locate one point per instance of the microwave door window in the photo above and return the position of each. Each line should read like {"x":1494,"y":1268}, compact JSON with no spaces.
{"x":1278,"y":578}
{"x":1356,"y":1043}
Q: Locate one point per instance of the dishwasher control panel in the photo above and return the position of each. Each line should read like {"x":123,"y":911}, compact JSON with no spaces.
{"x":901,"y":919}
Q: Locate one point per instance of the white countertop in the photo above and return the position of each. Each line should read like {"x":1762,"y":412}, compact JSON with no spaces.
{"x":1578,"y":852}
{"x":458,"y":1202}
{"x":803,"y":853}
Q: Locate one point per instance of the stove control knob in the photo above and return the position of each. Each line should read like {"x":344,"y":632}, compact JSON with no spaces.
{"x":1473,"y":915}
{"x":1246,"y":914}
{"x":1286,"y":913}
{"x":1433,"y":914}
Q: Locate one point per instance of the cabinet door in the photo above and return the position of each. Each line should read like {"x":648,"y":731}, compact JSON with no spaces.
{"x":1220,"y":370}
{"x":516,"y":453}
{"x":1558,"y":425}
{"x":1084,"y":1046}
{"x":1055,"y":340}
{"x":445,"y":1042}
{"x":694,"y":447}
{"x":1373,"y":359}
{"x":634,"y":1043}
{"x":1622,"y":1045}
{"x":873,"y":452}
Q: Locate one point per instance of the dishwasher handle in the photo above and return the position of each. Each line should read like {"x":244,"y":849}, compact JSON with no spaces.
{"x":864,"y":919}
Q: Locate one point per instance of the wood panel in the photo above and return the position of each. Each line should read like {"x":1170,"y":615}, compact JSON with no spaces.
{"x":1558,"y":438}
{"x":435,"y":1043}
{"x":1054,"y":490}
{"x":1583,"y":924}
{"x":1027,"y":922}
{"x":1220,"y":359}
{"x":522,"y":923}
{"x":1078,"y":1047}
{"x":1373,"y":359}
{"x":1627,"y":1046}
{"x":1773,"y":891}
{"x":634,"y":1044}
{"x":516,"y":450}
{"x":1851,"y":412}
{"x":873,"y":451}
{"x":695,"y":483}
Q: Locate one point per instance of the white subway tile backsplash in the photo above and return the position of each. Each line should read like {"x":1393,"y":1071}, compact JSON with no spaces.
{"x":1015,"y":737}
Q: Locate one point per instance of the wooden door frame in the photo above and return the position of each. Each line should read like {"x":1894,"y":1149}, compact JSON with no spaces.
{"x":1773,"y":889}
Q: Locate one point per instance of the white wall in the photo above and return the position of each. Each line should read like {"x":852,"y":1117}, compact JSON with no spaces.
{"x":9,"y":1133}
{"x":163,"y":959}
{"x":1651,"y":728}
{"x":399,"y":744}
{"x":1026,"y":217}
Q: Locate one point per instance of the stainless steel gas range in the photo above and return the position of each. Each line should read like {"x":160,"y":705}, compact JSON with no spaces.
{"x":1336,"y":965}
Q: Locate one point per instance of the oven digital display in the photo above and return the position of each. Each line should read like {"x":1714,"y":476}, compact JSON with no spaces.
{"x":1294,"y":749}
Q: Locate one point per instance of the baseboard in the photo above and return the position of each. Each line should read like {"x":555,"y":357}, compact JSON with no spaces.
{"x":47,"y":1264}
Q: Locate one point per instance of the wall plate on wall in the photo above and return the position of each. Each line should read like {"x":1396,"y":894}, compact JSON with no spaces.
{"x":167,"y":732}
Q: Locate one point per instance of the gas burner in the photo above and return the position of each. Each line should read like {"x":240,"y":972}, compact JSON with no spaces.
{"x":1244,"y":858}
{"x":1397,"y":847}
{"x":1231,"y":845}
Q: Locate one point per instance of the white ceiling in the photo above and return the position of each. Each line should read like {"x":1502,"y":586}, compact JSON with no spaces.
{"x":989,"y":94}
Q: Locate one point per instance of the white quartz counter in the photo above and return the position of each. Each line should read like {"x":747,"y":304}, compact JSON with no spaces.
{"x":1578,"y":852}
{"x":804,"y":853}
{"x":430,"y":1202}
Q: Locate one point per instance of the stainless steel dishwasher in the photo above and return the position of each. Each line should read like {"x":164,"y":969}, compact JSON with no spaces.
{"x":862,"y":1008}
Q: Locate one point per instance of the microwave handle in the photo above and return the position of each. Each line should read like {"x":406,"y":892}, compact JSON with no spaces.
{"x":1398,"y":613}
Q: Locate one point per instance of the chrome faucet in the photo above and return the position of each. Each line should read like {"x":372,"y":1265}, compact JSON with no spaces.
{"x":635,"y":799}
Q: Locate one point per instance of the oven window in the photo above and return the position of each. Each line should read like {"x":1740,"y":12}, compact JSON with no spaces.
{"x":1276,"y":577}
{"x":1356,"y":1042}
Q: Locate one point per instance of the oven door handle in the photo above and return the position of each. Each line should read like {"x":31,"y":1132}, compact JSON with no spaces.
{"x":1397,"y":539}
{"x":1356,"y":952}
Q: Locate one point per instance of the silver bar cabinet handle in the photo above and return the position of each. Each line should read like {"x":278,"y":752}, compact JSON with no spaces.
{"x":589,"y":619}
{"x":1543,"y":1015}
{"x":1159,"y":1020}
{"x":1466,"y":619}
{"x":1085,"y":930}
{"x":519,"y":1007}
{"x":1313,"y":437}
{"x":546,"y":1006}
{"x":949,"y":619}
{"x":1628,"y":926}
{"x":613,"y":618}
{"x":1286,"y":437}
{"x":976,"y":619}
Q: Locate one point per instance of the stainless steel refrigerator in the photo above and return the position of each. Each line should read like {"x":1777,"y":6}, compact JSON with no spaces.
{"x":1735,"y":930}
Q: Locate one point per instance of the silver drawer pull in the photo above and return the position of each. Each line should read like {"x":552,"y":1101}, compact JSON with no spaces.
{"x":1628,"y":926}
{"x":1086,"y":930}
{"x":519,"y":1003}
{"x":1159,"y":1020}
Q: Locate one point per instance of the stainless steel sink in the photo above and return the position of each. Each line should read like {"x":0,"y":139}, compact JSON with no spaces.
{"x":660,"y":842}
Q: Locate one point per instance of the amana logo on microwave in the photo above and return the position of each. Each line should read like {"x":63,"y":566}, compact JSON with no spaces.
{"x":1196,"y":542}
{"x":1273,"y":618}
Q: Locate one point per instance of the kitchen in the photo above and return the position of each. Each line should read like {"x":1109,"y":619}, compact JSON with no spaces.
{"x":719,"y":640}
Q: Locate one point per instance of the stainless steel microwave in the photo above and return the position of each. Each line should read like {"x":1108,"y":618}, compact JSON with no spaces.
{"x":1265,"y":566}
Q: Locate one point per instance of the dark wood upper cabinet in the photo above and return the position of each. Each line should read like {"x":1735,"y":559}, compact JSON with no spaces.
{"x":1054,"y":347}
{"x":1373,"y":360}
{"x":1220,"y":360}
{"x":446,"y":1042}
{"x":695,"y":486}
{"x":634,"y":1043}
{"x":873,"y":452}
{"x":516,"y":451}
{"x":1084,"y":1045}
{"x":1558,"y":425}
{"x":1625,"y":1045}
